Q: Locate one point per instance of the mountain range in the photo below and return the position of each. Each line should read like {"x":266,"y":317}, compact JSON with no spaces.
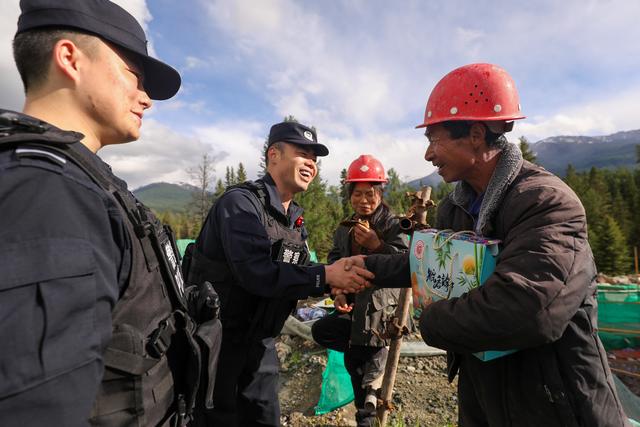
{"x":554,"y":153}
{"x":163,"y":196}
{"x":583,"y":152}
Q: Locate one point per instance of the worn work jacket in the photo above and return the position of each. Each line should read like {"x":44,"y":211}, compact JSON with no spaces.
{"x":540,"y":300}
{"x":373,"y":307}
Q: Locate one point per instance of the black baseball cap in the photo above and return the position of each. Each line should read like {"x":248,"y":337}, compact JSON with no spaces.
{"x":296,"y":133}
{"x":110,"y":22}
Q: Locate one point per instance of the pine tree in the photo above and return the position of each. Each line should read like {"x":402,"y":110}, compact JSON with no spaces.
{"x":229,"y":177}
{"x":345,"y":200}
{"x":185,"y":228}
{"x":219,"y":189}
{"x":597,"y":181}
{"x":322,"y":214}
{"x":612,"y":204}
{"x":241,"y":175}
{"x":613,"y":254}
{"x":263,"y":154}
{"x":527,"y":154}
{"x":263,"y":158}
{"x":396,"y":193}
{"x":632,"y":193}
{"x":573,"y":180}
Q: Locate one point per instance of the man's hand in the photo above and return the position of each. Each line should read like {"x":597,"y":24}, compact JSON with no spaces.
{"x":366,"y":237}
{"x":357,"y":260}
{"x":348,"y":275}
{"x":340,"y":303}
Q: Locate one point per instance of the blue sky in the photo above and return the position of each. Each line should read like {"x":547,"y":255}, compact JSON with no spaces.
{"x":361,"y":72}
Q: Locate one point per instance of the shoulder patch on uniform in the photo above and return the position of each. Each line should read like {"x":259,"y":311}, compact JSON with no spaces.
{"x":34,"y":152}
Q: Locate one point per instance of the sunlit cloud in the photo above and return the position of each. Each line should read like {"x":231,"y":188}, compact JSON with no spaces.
{"x":361,"y":73}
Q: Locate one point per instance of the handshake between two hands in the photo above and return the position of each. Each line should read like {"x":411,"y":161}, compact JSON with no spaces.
{"x":348,"y":275}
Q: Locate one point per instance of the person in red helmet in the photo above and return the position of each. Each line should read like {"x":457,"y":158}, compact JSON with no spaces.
{"x":355,"y":327}
{"x":541,"y":298}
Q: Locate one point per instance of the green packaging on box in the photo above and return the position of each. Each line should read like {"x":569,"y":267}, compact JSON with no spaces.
{"x":446,"y":264}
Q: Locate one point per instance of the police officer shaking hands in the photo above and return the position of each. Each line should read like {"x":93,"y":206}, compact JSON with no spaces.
{"x":95,"y":324}
{"x":252,"y":247}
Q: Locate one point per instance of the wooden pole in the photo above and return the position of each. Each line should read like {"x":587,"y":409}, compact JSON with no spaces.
{"x":393,"y":358}
{"x":391,"y":367}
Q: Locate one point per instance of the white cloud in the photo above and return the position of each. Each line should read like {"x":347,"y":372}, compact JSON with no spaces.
{"x":161,"y":154}
{"x":11,"y":92}
{"x":176,"y":104}
{"x":139,"y":10}
{"x":192,"y":62}
{"x":311,"y":70}
{"x":617,"y":112}
{"x":400,"y":149}
{"x":361,"y":72}
{"x":242,"y":140}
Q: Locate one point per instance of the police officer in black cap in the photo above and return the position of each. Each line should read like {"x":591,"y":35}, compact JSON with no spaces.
{"x":253,"y":249}
{"x":94,"y":317}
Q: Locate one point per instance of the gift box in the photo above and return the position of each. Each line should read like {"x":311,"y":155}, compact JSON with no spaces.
{"x":446,"y":264}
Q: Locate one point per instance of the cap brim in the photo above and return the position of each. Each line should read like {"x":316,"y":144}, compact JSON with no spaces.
{"x":161,"y":81}
{"x":320,"y":150}
{"x":473,"y":119}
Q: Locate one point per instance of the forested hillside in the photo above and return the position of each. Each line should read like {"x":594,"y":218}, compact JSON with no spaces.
{"x":610,"y":196}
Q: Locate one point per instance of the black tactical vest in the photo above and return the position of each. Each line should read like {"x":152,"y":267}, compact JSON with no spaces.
{"x":246,"y":316}
{"x":155,"y":359}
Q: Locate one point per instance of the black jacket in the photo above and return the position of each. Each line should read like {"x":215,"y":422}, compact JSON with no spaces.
{"x":64,"y":258}
{"x":373,"y":306}
{"x":92,"y":281}
{"x":242,"y":244}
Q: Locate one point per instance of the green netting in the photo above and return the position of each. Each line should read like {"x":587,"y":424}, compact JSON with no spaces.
{"x":336,"y":384}
{"x":619,"y":315}
{"x":182,"y":245}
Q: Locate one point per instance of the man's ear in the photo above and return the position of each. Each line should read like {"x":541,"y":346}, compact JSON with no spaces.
{"x":477,"y":134}
{"x":67,"y":59}
{"x":273,"y":153}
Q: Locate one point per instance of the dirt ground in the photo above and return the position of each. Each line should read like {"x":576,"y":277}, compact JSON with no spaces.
{"x":422,"y":396}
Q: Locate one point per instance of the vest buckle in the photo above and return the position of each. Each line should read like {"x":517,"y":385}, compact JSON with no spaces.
{"x":160,"y":339}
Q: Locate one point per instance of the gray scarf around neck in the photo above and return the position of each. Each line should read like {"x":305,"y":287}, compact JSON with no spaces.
{"x":506,"y":170}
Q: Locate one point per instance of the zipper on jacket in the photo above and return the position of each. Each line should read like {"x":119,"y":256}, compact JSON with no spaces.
{"x":549,"y":395}
{"x":464,"y":209}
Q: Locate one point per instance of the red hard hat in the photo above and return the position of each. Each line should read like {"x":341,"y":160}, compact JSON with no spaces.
{"x":478,"y":92}
{"x":366,"y":168}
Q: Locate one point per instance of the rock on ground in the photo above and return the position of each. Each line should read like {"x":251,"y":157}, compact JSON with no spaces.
{"x":422,"y":395}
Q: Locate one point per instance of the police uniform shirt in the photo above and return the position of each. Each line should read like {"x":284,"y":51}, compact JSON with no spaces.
{"x":64,"y":257}
{"x":234,"y":230}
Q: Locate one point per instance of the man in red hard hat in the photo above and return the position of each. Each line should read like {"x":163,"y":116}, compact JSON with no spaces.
{"x":541,"y":298}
